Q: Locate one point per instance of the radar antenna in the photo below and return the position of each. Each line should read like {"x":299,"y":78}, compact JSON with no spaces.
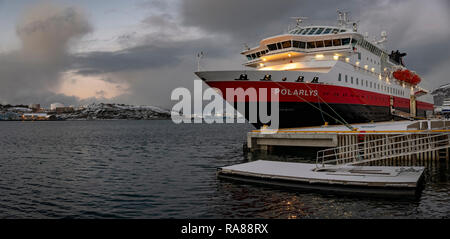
{"x":383,"y":38}
{"x":299,"y":20}
{"x":343,"y":18}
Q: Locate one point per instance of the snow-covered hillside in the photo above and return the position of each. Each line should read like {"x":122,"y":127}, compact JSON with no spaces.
{"x":117,"y":111}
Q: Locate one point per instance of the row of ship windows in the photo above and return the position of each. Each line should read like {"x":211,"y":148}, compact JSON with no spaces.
{"x":371,"y":84}
{"x":368,"y":97}
{"x":301,"y":45}
{"x":316,"y":31}
{"x":370,"y":47}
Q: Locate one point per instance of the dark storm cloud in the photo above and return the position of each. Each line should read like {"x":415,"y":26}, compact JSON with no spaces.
{"x":251,"y":19}
{"x":148,"y":56}
{"x":45,"y":31}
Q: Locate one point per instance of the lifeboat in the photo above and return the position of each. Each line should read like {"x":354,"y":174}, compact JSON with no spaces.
{"x":407,"y":76}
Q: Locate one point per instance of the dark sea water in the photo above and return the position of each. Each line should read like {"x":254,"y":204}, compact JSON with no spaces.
{"x":156,"y":169}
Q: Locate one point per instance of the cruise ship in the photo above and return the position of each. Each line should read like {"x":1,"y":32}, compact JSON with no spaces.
{"x":328,"y":75}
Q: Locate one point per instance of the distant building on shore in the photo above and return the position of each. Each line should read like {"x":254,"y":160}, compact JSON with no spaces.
{"x":35,"y":107}
{"x":55,"y":105}
{"x":37,"y":116}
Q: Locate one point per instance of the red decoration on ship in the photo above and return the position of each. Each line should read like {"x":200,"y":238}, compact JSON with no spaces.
{"x":407,"y":76}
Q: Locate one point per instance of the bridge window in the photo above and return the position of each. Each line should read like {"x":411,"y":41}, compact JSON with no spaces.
{"x":286,"y":44}
{"x":319,"y":44}
{"x":328,"y":30}
{"x":302,"y":45}
{"x":258,"y":54}
{"x":306,"y":30}
{"x":320,"y":31}
{"x":312,"y":31}
{"x":279,"y":45}
{"x":337,"y":42}
{"x":272,"y":47}
{"x":302,"y":31}
{"x":335,"y":31}
{"x":345,"y":41}
{"x":249,"y":57}
{"x":298,"y":44}
{"x":311,"y":45}
{"x":254,"y":56}
{"x":328,"y":43}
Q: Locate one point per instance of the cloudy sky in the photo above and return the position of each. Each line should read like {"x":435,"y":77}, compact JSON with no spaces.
{"x":138,"y":51}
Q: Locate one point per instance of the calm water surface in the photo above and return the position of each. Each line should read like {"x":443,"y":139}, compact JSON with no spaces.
{"x":156,"y":169}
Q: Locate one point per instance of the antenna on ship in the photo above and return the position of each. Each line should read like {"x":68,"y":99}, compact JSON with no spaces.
{"x":299,"y":20}
{"x":342,"y":18}
{"x":383,"y":38}
{"x":199,"y":57}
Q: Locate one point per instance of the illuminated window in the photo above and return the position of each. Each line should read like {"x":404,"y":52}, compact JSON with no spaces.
{"x":286,"y":44}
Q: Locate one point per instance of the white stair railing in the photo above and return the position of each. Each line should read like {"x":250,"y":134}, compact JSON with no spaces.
{"x":384,"y":148}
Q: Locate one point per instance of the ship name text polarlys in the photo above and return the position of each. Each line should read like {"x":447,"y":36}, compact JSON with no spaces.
{"x":297,"y":92}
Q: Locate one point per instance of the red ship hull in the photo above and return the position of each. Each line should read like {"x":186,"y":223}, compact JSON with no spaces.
{"x":309,"y":104}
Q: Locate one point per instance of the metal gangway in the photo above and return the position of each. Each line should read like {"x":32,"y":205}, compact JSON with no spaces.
{"x":386,"y":147}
